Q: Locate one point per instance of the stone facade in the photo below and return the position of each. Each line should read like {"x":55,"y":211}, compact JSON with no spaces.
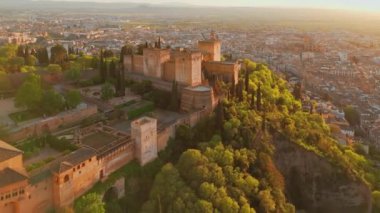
{"x":225,"y":71}
{"x":44,"y":125}
{"x":154,"y":60}
{"x":188,"y":67}
{"x":197,"y":98}
{"x":183,"y":66}
{"x":144,"y":132}
{"x":210,"y":49}
{"x":192,"y":70}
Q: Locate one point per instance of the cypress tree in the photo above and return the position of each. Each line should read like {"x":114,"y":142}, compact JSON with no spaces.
{"x":102,"y":67}
{"x":21,"y":51}
{"x":121,"y":80}
{"x":258,"y":99}
{"x":253,"y":99}
{"x":219,"y":117}
{"x":33,"y":52}
{"x":104,"y":71}
{"x":297,"y":92}
{"x":263,"y":124}
{"x":174,"y":105}
{"x":239,"y":90}
{"x":43,"y":56}
{"x":112,"y":69}
{"x":246,"y":80}
{"x":122,"y":53}
{"x":311,"y":108}
{"x":233,"y":88}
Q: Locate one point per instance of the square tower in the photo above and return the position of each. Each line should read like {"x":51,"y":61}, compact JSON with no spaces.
{"x":188,"y":67}
{"x":154,"y":60}
{"x":210,"y":48}
{"x":144,"y":132}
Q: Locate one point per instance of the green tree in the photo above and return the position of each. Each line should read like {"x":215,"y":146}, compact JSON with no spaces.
{"x":30,"y":93}
{"x":112,"y":69}
{"x":297,"y":91}
{"x":43,"y":56}
{"x":85,"y":61}
{"x":108,"y":54}
{"x":376,"y":201}
{"x":219,"y":120}
{"x":102,"y":67}
{"x":28,"y":69}
{"x":58,"y":54}
{"x":174,"y":100}
{"x":90,"y":203}
{"x":74,"y":72}
{"x":73,"y":98}
{"x":51,"y":102}
{"x":206,"y":180}
{"x":253,"y":99}
{"x":21,"y":51}
{"x":30,"y":60}
{"x":267,"y":204}
{"x":258,"y":98}
{"x":8,"y":51}
{"x":54,"y":68}
{"x":107,"y":91}
{"x":15,"y":63}
{"x":352,"y":116}
{"x":5,"y":84}
{"x":246,"y":80}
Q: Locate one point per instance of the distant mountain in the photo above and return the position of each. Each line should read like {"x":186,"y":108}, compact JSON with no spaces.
{"x":41,"y":4}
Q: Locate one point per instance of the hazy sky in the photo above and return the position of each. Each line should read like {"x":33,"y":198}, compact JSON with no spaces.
{"x":336,"y":4}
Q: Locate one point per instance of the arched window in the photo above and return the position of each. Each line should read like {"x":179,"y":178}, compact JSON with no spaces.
{"x":66,"y":178}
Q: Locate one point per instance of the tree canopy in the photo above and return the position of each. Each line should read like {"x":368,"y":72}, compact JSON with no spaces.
{"x":107,"y":91}
{"x":30,"y":93}
{"x":90,"y":203}
{"x":352,"y":116}
{"x":73,"y":98}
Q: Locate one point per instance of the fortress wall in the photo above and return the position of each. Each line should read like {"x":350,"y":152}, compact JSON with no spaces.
{"x":169,"y":71}
{"x":164,"y":135}
{"x":85,"y":177}
{"x":225,"y":71}
{"x":38,"y":197}
{"x":134,"y":63}
{"x":128,"y":63}
{"x":210,"y":49}
{"x":52,"y":123}
{"x":196,"y":100}
{"x":118,"y":158}
{"x":154,"y":60}
{"x":138,"y":63}
{"x":196,"y":70}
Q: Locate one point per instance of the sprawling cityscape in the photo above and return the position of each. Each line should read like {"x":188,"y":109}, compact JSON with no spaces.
{"x":180,"y":107}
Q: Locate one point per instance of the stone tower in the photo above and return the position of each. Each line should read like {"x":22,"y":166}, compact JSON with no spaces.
{"x":154,"y":60}
{"x":188,"y":67}
{"x":144,"y":132}
{"x":210,"y":48}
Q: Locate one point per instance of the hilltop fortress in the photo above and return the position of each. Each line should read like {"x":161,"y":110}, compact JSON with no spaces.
{"x":191,"y":69}
{"x":102,"y":149}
